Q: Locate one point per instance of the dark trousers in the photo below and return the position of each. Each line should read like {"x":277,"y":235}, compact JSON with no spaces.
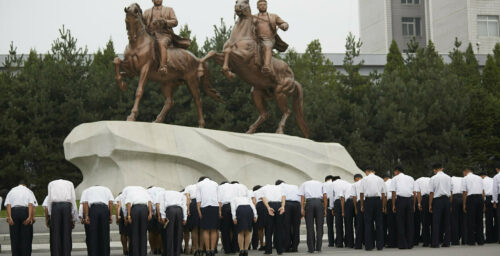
{"x":172,"y":235}
{"x":391,"y":226}
{"x":474,"y":215}
{"x":292,"y":225}
{"x":498,"y":220}
{"x":138,"y":230}
{"x":404,"y":219}
{"x":360,"y":227}
{"x":339,"y":224}
{"x":441,"y":220}
{"x":21,"y":236}
{"x":329,"y":225}
{"x":99,"y":230}
{"x":61,"y":225}
{"x":314,"y":212}
{"x":458,"y":221}
{"x":274,"y":226}
{"x":255,"y":236}
{"x":491,"y":221}
{"x":425,"y":218}
{"x":349,"y":223}
{"x":228,"y":231}
{"x":86,"y":228}
{"x":417,"y":226}
{"x":373,"y":216}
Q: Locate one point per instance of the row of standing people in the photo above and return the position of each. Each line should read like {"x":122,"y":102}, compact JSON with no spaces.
{"x":398,"y":212}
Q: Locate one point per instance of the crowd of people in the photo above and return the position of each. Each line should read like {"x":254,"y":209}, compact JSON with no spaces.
{"x":374,"y":212}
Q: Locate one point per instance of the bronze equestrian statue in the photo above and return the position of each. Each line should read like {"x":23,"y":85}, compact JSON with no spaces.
{"x":151,"y":43}
{"x":242,"y":55}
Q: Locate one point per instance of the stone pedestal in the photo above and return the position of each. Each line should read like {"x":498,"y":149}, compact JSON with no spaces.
{"x":118,"y":154}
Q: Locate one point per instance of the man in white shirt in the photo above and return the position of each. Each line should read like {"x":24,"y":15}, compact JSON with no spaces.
{"x":495,"y":195}
{"x":123,"y":227}
{"x":439,"y":206}
{"x":390,"y":222}
{"x":422,"y":189}
{"x":403,"y":204}
{"x":193,"y":221}
{"x":172,"y":207}
{"x":274,"y":200}
{"x":330,"y":219}
{"x":348,"y":213}
{"x":373,"y":204}
{"x":339,"y":186}
{"x":473,"y":191}
{"x":98,"y":214}
{"x":313,"y":207}
{"x":20,"y":203}
{"x":489,"y":213}
{"x":226,"y":193}
{"x":61,"y":202}
{"x":208,"y":209}
{"x":359,"y":219}
{"x":154,"y":229}
{"x":258,"y":231}
{"x":458,"y":220}
{"x":292,"y":216}
{"x":139,"y":210}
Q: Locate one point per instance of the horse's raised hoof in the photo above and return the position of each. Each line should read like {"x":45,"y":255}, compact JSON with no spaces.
{"x":280,"y":131}
{"x":131,"y":118}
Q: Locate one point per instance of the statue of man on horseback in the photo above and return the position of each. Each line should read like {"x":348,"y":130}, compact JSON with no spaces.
{"x":267,"y":34}
{"x":160,"y":21}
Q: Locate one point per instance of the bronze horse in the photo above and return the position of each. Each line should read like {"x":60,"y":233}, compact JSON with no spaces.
{"x":240,"y":54}
{"x":141,"y":59}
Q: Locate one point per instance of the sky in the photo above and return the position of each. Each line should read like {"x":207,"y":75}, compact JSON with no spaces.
{"x":34,"y":24}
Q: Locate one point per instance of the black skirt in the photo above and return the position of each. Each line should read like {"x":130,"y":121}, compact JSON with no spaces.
{"x":153,"y":225}
{"x":244,"y":216}
{"x":193,"y":220}
{"x":262,"y":212}
{"x":122,"y":228}
{"x":210,"y":218}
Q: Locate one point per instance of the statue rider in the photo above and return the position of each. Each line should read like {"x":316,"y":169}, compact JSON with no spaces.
{"x":160,"y":21}
{"x":267,"y":34}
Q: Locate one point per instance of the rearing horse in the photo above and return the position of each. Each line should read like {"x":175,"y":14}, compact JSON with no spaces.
{"x":239,"y":56}
{"x":141,"y":59}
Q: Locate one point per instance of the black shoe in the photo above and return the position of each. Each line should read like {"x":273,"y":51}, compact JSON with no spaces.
{"x":445,"y":245}
{"x":310,"y":251}
{"x":425,"y":245}
{"x":267,"y":253}
{"x":262,"y":248}
{"x":434,"y":246}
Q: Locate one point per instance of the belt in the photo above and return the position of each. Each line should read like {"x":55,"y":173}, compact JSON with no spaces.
{"x":291,"y":201}
{"x":404,"y":197}
{"x":20,"y":207}
{"x":98,"y":204}
{"x":475,"y":195}
{"x":442,"y":197}
{"x":457,"y":194}
{"x":427,"y":195}
{"x":312,"y":199}
{"x":372,"y":197}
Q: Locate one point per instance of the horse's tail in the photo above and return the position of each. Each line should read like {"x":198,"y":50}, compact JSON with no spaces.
{"x":297,"y":106}
{"x":204,"y":77}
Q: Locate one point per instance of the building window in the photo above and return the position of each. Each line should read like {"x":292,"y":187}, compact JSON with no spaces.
{"x":410,"y":1}
{"x":488,"y":25}
{"x":411,"y":26}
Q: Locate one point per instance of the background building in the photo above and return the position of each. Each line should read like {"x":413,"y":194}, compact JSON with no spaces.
{"x":471,"y":21}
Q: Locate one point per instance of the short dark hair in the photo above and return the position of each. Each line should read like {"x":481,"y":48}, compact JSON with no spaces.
{"x":468,"y":168}
{"x":399,"y":168}
{"x":235,"y":182}
{"x":369,"y":167}
{"x":329,"y":177}
{"x":202,"y":178}
{"x":358,"y":176}
{"x":437,"y":166}
{"x":483,"y":173}
{"x":336,"y":178}
{"x":182,"y":190}
{"x":278,"y":182}
{"x":224,"y":182}
{"x":147,"y":188}
{"x":386,"y":176}
{"x":497,"y":165}
{"x":257,"y":187}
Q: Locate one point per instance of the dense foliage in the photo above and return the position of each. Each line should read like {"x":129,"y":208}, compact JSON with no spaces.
{"x":419,"y":111}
